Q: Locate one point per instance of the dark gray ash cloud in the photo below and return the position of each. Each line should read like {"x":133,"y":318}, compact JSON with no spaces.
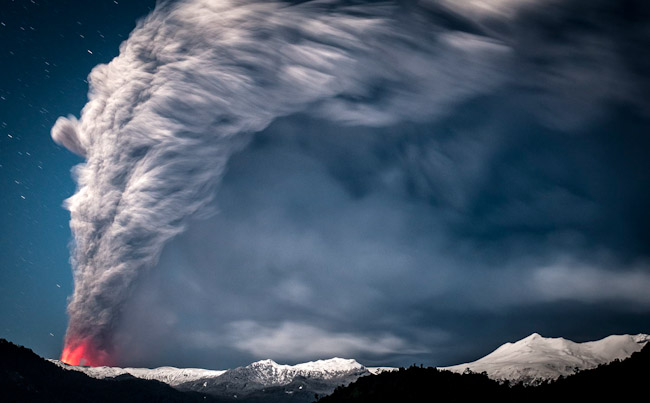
{"x":381,"y":181}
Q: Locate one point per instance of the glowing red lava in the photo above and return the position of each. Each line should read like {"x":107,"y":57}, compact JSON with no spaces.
{"x":83,"y":353}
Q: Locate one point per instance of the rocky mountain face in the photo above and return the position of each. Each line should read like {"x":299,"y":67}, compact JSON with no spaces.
{"x":263,"y":380}
{"x":268,"y":380}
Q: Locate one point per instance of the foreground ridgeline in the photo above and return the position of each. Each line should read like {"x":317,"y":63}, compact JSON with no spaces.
{"x":26,"y":377}
{"x":615,"y":381}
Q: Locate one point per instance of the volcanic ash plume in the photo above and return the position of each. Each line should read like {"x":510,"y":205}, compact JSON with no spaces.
{"x":194,"y":79}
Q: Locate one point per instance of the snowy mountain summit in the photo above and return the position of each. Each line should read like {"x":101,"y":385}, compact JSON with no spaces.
{"x":170,"y":375}
{"x":532,"y":361}
{"x":269,"y":373}
{"x":262,"y":378}
{"x":264,"y":372}
{"x":536,"y":359}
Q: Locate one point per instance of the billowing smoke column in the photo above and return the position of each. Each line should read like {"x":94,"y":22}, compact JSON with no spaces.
{"x":194,"y":79}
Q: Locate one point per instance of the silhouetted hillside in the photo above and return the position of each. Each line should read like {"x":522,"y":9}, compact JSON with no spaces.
{"x":26,"y":377}
{"x":417,"y":384}
{"x":615,"y":381}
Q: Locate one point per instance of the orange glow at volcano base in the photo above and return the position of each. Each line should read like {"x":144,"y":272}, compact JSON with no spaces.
{"x":83,"y":354}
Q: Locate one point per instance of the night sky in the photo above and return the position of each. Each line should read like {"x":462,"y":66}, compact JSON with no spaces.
{"x":44,"y":66}
{"x":273,"y":181}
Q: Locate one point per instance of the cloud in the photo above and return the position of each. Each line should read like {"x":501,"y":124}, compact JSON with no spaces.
{"x":482,"y":10}
{"x":350,"y":172}
{"x":296,"y":341}
{"x":295,"y":242}
{"x":591,"y":285}
{"x":64,"y":133}
{"x":194,"y":78}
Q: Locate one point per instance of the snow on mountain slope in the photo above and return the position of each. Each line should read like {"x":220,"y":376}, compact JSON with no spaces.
{"x":532,"y":360}
{"x":379,"y":370}
{"x":273,"y":381}
{"x":265,"y":372}
{"x":262,"y":379}
{"x":331,"y":367}
{"x":538,"y":359}
{"x":269,"y":373}
{"x":169,"y":375}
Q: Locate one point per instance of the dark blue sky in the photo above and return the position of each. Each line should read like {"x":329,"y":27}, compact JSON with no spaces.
{"x":44,"y":62}
{"x":505,"y":191}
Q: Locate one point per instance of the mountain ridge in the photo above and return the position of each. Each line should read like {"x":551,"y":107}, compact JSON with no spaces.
{"x":624,"y":380}
{"x":267,"y":371}
{"x":263,"y":380}
{"x":536,"y":359}
{"x":532,"y":360}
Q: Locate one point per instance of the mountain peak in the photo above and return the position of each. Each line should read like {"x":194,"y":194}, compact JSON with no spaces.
{"x":536,"y":359}
{"x":641,"y":338}
{"x":335,"y":364}
{"x":265,"y":363}
{"x":329,"y":366}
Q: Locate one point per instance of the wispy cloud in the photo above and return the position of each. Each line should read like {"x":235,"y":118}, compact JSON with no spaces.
{"x":577,"y":282}
{"x":390,"y":165}
{"x":297,"y":341}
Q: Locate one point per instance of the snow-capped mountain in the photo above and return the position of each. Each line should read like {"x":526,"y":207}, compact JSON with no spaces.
{"x":170,"y":375}
{"x":538,"y":359}
{"x":262,"y":378}
{"x":268,"y":378}
{"x":270,"y":373}
{"x":532,"y":360}
{"x":264,"y":372}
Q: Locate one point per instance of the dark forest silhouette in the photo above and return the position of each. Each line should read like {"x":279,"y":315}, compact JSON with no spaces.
{"x":613,"y":381}
{"x":26,"y":377}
